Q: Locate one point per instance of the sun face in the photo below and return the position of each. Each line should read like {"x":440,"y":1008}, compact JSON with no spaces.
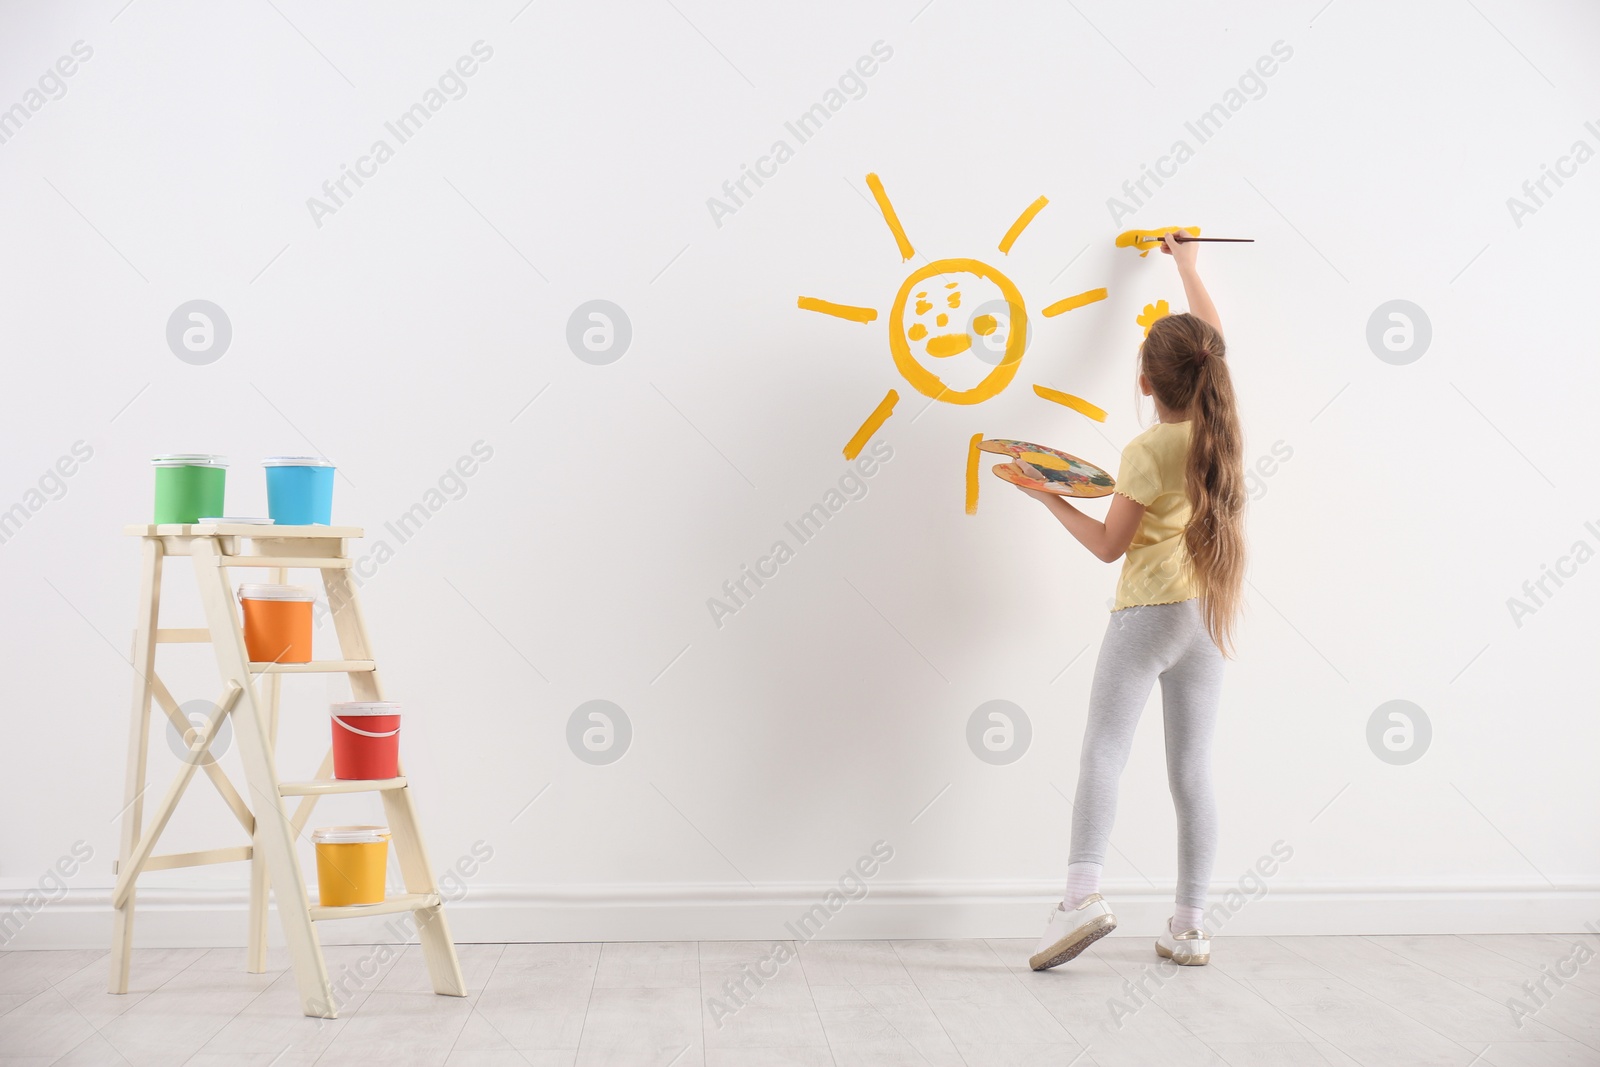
{"x":958,"y":329}
{"x":931,"y":337}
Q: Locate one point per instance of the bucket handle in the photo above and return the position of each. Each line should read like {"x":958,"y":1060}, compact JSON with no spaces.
{"x":365,"y":733}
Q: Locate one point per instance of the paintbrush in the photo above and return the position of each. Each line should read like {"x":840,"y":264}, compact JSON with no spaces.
{"x":1184,"y":239}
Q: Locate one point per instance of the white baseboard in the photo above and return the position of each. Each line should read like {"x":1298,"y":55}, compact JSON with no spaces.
{"x":179,"y":918}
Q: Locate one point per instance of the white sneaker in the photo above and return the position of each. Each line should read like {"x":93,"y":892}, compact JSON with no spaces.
{"x":1070,"y":932}
{"x":1192,"y":948}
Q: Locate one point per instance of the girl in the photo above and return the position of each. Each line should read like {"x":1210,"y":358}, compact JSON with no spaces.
{"x":1177,"y":523}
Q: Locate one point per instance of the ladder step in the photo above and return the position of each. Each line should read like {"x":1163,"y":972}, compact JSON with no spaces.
{"x":324,"y":563}
{"x":176,"y":635}
{"x":400,"y":902}
{"x":316,"y":666}
{"x":321,"y":786}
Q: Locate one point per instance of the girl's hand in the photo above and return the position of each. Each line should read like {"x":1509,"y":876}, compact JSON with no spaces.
{"x":1038,"y":494}
{"x":1032,"y":472}
{"x":1183,"y":253}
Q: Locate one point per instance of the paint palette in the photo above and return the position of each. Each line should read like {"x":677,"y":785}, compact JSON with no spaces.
{"x":1060,"y":473}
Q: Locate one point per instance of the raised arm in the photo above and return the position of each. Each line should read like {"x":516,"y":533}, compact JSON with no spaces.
{"x":1184,"y":255}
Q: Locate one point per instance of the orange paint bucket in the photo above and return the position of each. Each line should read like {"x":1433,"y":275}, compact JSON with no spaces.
{"x":277,"y":623}
{"x":351,"y":861}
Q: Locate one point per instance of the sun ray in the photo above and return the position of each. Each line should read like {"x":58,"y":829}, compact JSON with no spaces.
{"x":906,"y":251}
{"x":1021,"y":224}
{"x":1073,"y":303}
{"x":973,"y":455}
{"x":838,"y":311}
{"x":879,"y":416}
{"x":1076,"y":403}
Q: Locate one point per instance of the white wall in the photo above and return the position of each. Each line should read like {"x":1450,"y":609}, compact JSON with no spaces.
{"x":426,"y":312}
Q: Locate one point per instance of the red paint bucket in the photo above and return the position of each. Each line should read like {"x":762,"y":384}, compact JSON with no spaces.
{"x":366,"y":740}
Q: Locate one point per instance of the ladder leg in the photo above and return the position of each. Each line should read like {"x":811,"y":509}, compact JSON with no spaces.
{"x":144,"y":663}
{"x":438,"y":950}
{"x":256,"y":957}
{"x":274,"y":835}
{"x":256,"y":961}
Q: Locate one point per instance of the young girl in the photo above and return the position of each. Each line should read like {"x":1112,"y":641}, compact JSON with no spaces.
{"x":1177,"y":523}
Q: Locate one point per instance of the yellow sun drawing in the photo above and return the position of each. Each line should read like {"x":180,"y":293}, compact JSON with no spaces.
{"x":922,"y":333}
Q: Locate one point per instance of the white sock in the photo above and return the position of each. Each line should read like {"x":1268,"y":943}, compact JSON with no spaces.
{"x":1083,"y":879}
{"x":1183,"y":917}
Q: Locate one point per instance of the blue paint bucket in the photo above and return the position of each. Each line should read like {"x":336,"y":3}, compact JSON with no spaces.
{"x":299,"y":490}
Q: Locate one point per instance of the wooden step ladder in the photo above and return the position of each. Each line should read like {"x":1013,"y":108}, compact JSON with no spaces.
{"x":249,"y":697}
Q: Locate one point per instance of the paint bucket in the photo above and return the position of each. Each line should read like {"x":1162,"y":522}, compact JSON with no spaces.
{"x":350,"y":864}
{"x":188,"y":485}
{"x":366,"y":739}
{"x":299,"y":490}
{"x":277,"y":623}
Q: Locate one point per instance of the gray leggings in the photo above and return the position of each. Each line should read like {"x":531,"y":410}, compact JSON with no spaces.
{"x":1142,"y":644}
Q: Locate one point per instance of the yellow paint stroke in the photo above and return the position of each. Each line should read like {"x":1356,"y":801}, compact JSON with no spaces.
{"x":1045,"y":459}
{"x":1147,"y":318}
{"x":879,"y":416}
{"x":839,"y":311}
{"x":906,"y":251}
{"x":925,"y":381}
{"x":984,"y":325}
{"x":948,"y":344}
{"x":1145,"y":240}
{"x":973,"y":452}
{"x":1021,"y":224}
{"x":1076,"y":403}
{"x":1073,"y":303}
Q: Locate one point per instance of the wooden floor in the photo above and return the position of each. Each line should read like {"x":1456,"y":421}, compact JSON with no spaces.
{"x":1409,"y":1001}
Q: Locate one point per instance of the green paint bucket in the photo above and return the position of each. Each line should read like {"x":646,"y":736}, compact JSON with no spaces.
{"x":188,"y":486}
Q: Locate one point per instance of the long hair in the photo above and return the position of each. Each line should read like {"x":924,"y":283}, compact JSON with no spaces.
{"x":1184,"y":359}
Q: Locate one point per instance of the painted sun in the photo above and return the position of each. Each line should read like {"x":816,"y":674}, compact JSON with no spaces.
{"x":940,"y":346}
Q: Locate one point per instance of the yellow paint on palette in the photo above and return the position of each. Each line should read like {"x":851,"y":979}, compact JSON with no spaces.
{"x":1147,"y":318}
{"x":1073,"y":303}
{"x":900,"y":239}
{"x":879,"y":416}
{"x":1145,"y":240}
{"x":1021,"y":224}
{"x":973,"y":453}
{"x":1076,"y":403}
{"x":1045,"y":459}
{"x":838,"y":311}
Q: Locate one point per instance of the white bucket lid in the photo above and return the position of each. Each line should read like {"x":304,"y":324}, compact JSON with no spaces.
{"x":295,"y":461}
{"x":237,"y":520}
{"x":275,"y":592}
{"x":349,"y":835}
{"x":189,"y":459}
{"x":352,"y":708}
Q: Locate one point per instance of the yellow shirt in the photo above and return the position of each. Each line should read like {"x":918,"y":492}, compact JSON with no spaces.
{"x":1156,"y":568}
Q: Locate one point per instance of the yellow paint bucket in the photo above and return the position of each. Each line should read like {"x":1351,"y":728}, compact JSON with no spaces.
{"x":351,"y":861}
